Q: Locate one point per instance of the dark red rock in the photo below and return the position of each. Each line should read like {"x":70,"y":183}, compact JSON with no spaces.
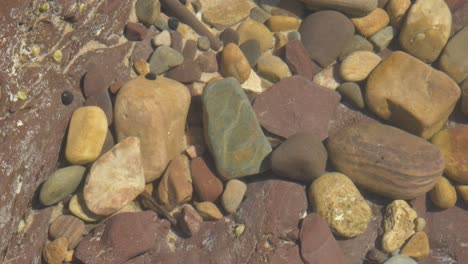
{"x":122,"y":237}
{"x":207,"y":62}
{"x":296,"y":104}
{"x":207,"y":186}
{"x":229,"y":35}
{"x":135,"y":31}
{"x":344,"y":116}
{"x":187,"y":72}
{"x":190,"y":49}
{"x":297,"y":58}
{"x":102,"y":100}
{"x":318,"y":246}
{"x":176,"y":41}
{"x":325,"y":34}
{"x":285,"y":254}
{"x":144,"y":49}
{"x":190,"y":220}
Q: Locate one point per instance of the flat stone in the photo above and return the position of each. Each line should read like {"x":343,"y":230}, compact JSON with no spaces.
{"x":135,"y":31}
{"x":251,"y":50}
{"x":148,"y":11}
{"x":238,"y":145}
{"x":397,"y":259}
{"x":86,"y":135}
{"x":61,"y":184}
{"x":335,"y":197}
{"x":396,"y":10}
{"x":417,"y":246}
{"x":365,"y":150}
{"x":410,"y":94}
{"x":398,"y":225}
{"x":207,"y":186}
{"x":253,"y":84}
{"x":190,"y":220}
{"x":312,"y":109}
{"x":233,"y":195}
{"x":443,"y":195}
{"x":69,"y":227}
{"x":358,"y":65}
{"x":382,"y":39}
{"x":259,"y":15}
{"x":234,"y":63}
{"x":372,"y":23}
{"x":297,"y":58}
{"x":209,"y":211}
{"x":162,"y":39}
{"x":188,"y":72}
{"x":357,"y":43}
{"x":454,"y":58}
{"x":251,"y":29}
{"x":352,"y":93}
{"x":301,"y":157}
{"x":357,"y":8}
{"x":119,"y":170}
{"x":165,"y":58}
{"x":283,"y":23}
{"x":226,"y":13}
{"x":317,"y":242}
{"x":229,"y":36}
{"x":175,"y":186}
{"x":207,"y":62}
{"x":272,"y":68}
{"x":139,"y":110}
{"x":426,"y":29}
{"x":325,"y":34}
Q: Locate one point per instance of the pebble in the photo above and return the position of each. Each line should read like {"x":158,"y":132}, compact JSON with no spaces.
{"x":67,"y":97}
{"x":325,"y":34}
{"x":253,"y":84}
{"x":259,"y":15}
{"x":203,"y":43}
{"x":78,"y":208}
{"x":396,"y":10}
{"x":357,"y":43}
{"x":103,"y":101}
{"x":207,"y":62}
{"x":251,"y":50}
{"x":443,"y":195}
{"x":463,"y":192}
{"x":272,"y":68}
{"x":139,"y":110}
{"x":397,"y":259}
{"x":251,"y":29}
{"x":398,"y":225}
{"x":316,"y":241}
{"x":376,"y":256}
{"x":207,"y":186}
{"x":226,"y":13}
{"x":394,"y":93}
{"x":115,"y":179}
{"x":175,"y":186}
{"x":69,"y":227}
{"x":417,"y":246}
{"x":335,"y":197}
{"x":352,"y":93}
{"x":364,"y":152}
{"x":61,"y":184}
{"x":329,"y":77}
{"x":451,"y":143}
{"x":426,"y":29}
{"x":141,"y":67}
{"x":209,"y":211}
{"x":233,"y":195}
{"x":229,"y":36}
{"x":148,"y":11}
{"x":190,"y":220}
{"x":301,"y":157}
{"x":135,"y":31}
{"x":419,"y":224}
{"x":280,"y":41}
{"x":190,"y":49}
{"x":293,"y":35}
{"x":86,"y":134}
{"x":283,"y":23}
{"x":188,"y":72}
{"x":454,"y":58}
{"x":162,"y":39}
{"x":382,"y":39}
{"x":238,"y":145}
{"x":297,"y":59}
{"x":312,"y":110}
{"x":234,"y":63}
{"x":55,"y":251}
{"x":177,"y":41}
{"x":164,"y":58}
{"x":372,"y":23}
{"x":173,"y":23}
{"x":356,"y":8}
{"x":358,"y":65}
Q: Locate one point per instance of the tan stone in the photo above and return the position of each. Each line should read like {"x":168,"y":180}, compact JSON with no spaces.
{"x":155,"y":111}
{"x":398,"y":225}
{"x":426,"y":29}
{"x":253,"y":84}
{"x":419,"y":224}
{"x":411,"y":94}
{"x":234,"y":63}
{"x":115,"y":179}
{"x":358,"y":65}
{"x":56,"y":251}
{"x":78,"y":208}
{"x":176,"y":183}
{"x":417,"y":246}
{"x":209,"y":211}
{"x":463,"y":192}
{"x":233,"y":195}
{"x":372,"y":23}
{"x":272,"y":68}
{"x":280,"y":41}
{"x":283,"y":23}
{"x":396,"y":10}
{"x":335,"y":197}
{"x":329,"y":77}
{"x":141,"y":67}
{"x":86,"y":135}
{"x":225,"y":14}
{"x":443,"y":195}
{"x":251,"y":29}
{"x":454,"y":58}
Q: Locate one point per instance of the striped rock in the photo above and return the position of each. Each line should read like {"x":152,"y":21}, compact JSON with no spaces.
{"x":386,"y":160}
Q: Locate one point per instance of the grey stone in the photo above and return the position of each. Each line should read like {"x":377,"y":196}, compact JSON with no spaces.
{"x":381,"y":39}
{"x":60,"y":184}
{"x":357,"y":43}
{"x":164,"y":59}
{"x":251,"y":50}
{"x":352,"y":93}
{"x":259,"y":15}
{"x":148,"y":11}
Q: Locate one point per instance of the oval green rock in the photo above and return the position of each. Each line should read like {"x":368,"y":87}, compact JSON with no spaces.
{"x":60,"y":184}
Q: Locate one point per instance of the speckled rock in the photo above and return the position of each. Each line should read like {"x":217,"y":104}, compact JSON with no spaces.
{"x":417,"y":246}
{"x":351,"y":7}
{"x":372,"y":23}
{"x":398,"y":225}
{"x":272,"y":68}
{"x":454,"y":58}
{"x":443,"y":195}
{"x":358,"y":65}
{"x":175,"y":186}
{"x":61,"y":184}
{"x":234,"y":63}
{"x":233,"y":195}
{"x":251,"y":29}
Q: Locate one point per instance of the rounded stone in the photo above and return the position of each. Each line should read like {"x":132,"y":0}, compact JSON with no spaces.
{"x":272,"y":68}
{"x":358,"y":66}
{"x":67,"y":97}
{"x":209,"y":211}
{"x":382,"y":39}
{"x":463,"y":192}
{"x":203,"y":43}
{"x":335,"y":197}
{"x":396,"y":10}
{"x":69,"y":227}
{"x":454,"y":58}
{"x":417,"y":246}
{"x":443,"y":195}
{"x":357,"y":8}
{"x":283,"y":23}
{"x":372,"y":23}
{"x":205,"y":183}
{"x":234,"y":63}
{"x":419,"y":224}
{"x":77,"y":207}
{"x":233,"y":195}
{"x":251,"y":50}
{"x":55,"y":251}
{"x":60,"y":184}
{"x":162,"y":39}
{"x":251,"y":29}
{"x":173,"y":23}
{"x":398,"y":225}
{"x":357,"y":43}
{"x":164,"y":58}
{"x":352,"y":93}
{"x":148,"y":11}
{"x":229,"y":36}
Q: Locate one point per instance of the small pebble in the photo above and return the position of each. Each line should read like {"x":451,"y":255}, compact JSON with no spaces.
{"x":272,"y":68}
{"x":294,"y":35}
{"x":358,"y":65}
{"x":135,"y":31}
{"x":419,"y":224}
{"x":151,"y":76}
{"x":283,"y":23}
{"x":209,"y":211}
{"x":67,"y":97}
{"x":417,"y":246}
{"x":259,"y":15}
{"x":173,"y":23}
{"x":162,"y":39}
{"x":141,"y":67}
{"x":69,"y":227}
{"x":352,"y":93}
{"x":382,"y":38}
{"x":190,"y":220}
{"x":372,"y":23}
{"x":443,"y":195}
{"x":251,"y":50}
{"x":229,"y":36}
{"x":203,"y":43}
{"x":57,"y":57}
{"x":396,"y":10}
{"x":233,"y":195}
{"x":463,"y":192}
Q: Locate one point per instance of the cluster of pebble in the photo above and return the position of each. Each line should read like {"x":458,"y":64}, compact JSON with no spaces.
{"x":236,"y":88}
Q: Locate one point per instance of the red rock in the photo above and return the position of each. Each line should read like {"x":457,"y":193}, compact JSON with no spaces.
{"x":190,"y":220}
{"x":207,"y":186}
{"x":207,"y":62}
{"x":318,"y":246}
{"x":297,"y":58}
{"x":295,"y":104}
{"x":190,"y":49}
{"x":102,"y":99}
{"x":135,"y":31}
{"x":344,"y":117}
{"x":93,"y":83}
{"x":187,"y":72}
{"x":176,"y":41}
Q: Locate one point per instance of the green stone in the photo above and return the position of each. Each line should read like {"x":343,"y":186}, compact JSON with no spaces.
{"x":148,"y":11}
{"x":383,"y":38}
{"x":165,"y":58}
{"x":357,"y":43}
{"x":232,"y":132}
{"x":60,"y":184}
{"x":352,"y":93}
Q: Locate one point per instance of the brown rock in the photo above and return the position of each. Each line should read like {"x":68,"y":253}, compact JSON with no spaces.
{"x":188,"y":72}
{"x":207,"y":186}
{"x":234,"y":63}
{"x":209,"y":211}
{"x":229,"y":35}
{"x":396,"y":10}
{"x":207,"y":62}
{"x":190,"y":49}
{"x":176,"y":183}
{"x":135,"y":31}
{"x":298,"y":60}
{"x":417,"y":246}
{"x":56,"y":251}
{"x":463,"y":192}
{"x":93,"y":81}
{"x":69,"y":227}
{"x":190,"y":220}
{"x":283,"y":23}
{"x":443,"y":195}
{"x":372,"y":23}
{"x":251,"y":29}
